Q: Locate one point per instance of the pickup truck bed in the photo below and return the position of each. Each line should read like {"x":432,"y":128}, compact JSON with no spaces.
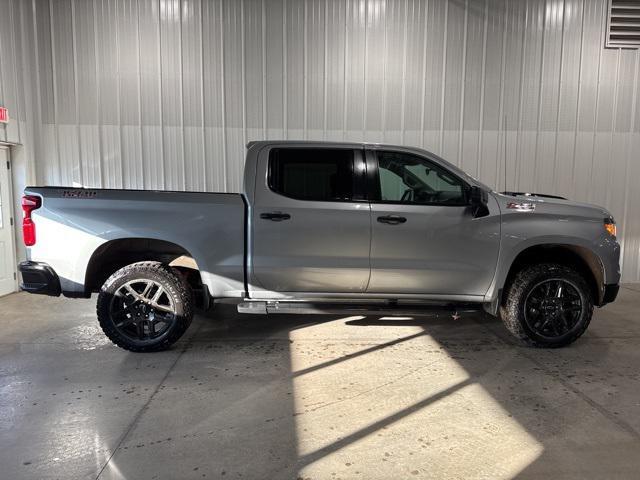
{"x":89,"y":219}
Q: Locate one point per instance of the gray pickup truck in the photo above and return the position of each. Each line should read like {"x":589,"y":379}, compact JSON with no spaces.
{"x":324,"y":228}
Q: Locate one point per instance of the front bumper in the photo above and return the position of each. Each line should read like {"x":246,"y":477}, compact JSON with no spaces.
{"x":610,"y":293}
{"x":38,"y":277}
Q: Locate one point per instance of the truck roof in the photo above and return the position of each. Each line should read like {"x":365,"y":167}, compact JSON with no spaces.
{"x":325,"y":142}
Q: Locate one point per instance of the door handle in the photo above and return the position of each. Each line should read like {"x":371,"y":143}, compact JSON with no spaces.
{"x":275,"y":216}
{"x":392,"y":219}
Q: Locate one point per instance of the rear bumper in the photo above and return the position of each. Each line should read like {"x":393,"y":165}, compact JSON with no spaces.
{"x":610,"y":293}
{"x":40,"y":278}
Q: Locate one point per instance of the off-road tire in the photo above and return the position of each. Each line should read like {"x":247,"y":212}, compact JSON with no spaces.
{"x":512,"y":307}
{"x":173,"y":284}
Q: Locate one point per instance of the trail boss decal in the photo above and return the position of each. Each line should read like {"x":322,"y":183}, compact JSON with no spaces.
{"x":79,"y":194}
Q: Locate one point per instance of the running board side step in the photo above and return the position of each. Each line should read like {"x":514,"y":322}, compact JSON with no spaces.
{"x":324,"y":308}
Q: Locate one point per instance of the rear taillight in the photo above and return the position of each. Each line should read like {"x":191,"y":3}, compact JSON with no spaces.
{"x":29,"y":204}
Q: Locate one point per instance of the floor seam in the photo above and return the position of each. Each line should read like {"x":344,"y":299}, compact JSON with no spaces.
{"x":600,"y":408}
{"x":595,"y":405}
{"x":140,"y":412}
{"x":629,"y":288}
{"x":369,"y":390}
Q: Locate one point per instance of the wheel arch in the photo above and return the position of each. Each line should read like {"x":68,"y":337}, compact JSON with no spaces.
{"x":578,"y":257}
{"x":115,"y":254}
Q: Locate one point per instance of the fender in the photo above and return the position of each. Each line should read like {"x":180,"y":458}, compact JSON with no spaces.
{"x":588,"y":251}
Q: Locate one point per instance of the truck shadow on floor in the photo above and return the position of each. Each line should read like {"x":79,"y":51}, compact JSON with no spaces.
{"x":240,"y":374}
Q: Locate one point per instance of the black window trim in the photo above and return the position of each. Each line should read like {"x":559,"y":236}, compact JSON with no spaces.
{"x":373,"y":176}
{"x":360,"y":185}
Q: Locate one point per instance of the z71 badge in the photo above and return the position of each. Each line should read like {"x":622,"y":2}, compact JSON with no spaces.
{"x":521,"y":206}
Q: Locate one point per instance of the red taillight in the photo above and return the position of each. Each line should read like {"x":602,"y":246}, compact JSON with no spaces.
{"x":29,"y":204}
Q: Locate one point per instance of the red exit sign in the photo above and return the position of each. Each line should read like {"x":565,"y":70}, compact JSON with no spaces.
{"x":4,"y":115}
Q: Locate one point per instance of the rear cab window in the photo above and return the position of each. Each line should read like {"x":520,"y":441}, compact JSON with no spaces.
{"x":313,"y":174}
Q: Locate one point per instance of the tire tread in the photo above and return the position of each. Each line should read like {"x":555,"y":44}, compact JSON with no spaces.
{"x":510,"y":308}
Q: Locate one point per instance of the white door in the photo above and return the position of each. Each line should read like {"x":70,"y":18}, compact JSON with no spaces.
{"x":7,"y":252}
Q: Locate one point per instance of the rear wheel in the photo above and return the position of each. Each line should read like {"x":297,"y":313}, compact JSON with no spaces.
{"x":145,"y":307}
{"x":547,"y":305}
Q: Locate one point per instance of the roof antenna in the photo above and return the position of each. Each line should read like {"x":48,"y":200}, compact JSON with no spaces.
{"x":504,"y":130}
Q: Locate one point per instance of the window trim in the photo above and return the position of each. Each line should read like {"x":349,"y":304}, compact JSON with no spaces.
{"x":359,"y":190}
{"x":375,"y":195}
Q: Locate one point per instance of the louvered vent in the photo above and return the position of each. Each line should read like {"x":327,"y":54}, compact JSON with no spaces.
{"x":623,"y":24}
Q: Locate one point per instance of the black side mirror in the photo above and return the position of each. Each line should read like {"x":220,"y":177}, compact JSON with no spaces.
{"x":477,"y":196}
{"x":478,"y":199}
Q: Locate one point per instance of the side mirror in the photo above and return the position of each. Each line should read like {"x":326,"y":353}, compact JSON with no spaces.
{"x":478,"y":199}
{"x":477,"y":196}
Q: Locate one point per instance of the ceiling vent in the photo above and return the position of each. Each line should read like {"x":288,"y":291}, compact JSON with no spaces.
{"x":623,"y":24}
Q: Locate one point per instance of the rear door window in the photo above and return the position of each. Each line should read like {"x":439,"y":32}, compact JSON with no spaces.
{"x":317,"y":174}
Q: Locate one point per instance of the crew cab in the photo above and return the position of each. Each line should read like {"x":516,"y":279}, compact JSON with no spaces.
{"x":324,"y":227}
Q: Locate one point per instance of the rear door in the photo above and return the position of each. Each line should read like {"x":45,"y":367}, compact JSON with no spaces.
{"x":311,"y":221}
{"x":7,"y":252}
{"x":425,"y":237}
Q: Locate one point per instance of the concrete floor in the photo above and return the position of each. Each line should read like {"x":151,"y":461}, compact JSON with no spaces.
{"x":316,"y":398}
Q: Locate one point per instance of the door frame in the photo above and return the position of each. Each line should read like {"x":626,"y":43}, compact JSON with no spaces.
{"x":373,"y":176}
{"x":12,"y":222}
{"x":256,"y":289}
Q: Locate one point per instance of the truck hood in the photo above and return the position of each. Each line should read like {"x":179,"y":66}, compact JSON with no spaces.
{"x":549,"y":205}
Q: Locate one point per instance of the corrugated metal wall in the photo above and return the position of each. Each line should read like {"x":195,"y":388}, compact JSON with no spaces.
{"x":12,"y":93}
{"x":165,"y":93}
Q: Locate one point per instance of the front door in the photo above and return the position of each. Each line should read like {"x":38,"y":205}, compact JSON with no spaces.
{"x":7,"y":252}
{"x":425,"y":238}
{"x":311,"y":222}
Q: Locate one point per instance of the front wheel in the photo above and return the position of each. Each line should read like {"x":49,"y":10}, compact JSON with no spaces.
{"x":145,"y":307}
{"x":547,"y":305}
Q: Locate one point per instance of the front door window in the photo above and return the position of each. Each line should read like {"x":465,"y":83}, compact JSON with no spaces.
{"x":409,"y":179}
